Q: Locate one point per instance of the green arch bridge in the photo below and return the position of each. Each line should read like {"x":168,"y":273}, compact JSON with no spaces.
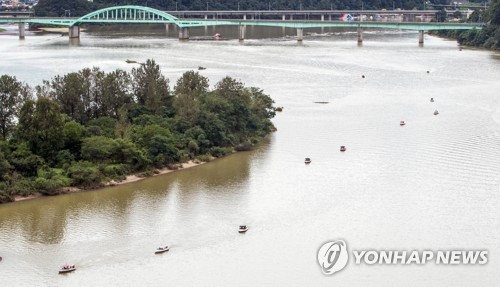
{"x":146,"y":15}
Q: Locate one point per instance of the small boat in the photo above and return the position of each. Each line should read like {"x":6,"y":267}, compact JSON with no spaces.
{"x":67,"y":268}
{"x":243,"y":229}
{"x":436,"y":112}
{"x":307,"y":160}
{"x":342,"y":148}
{"x":162,"y":249}
{"x":278,"y":109}
{"x":402,"y":123}
{"x":217,"y":36}
{"x":201,"y":68}
{"x":134,"y":62}
{"x":432,"y":100}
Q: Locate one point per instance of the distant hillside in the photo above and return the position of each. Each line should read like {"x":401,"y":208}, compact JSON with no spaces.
{"x":81,"y":7}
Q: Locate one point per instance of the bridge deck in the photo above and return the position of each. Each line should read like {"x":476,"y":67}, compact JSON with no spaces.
{"x":145,"y":15}
{"x":186,"y":23}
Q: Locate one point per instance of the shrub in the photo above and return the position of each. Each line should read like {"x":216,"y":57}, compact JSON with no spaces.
{"x":97,"y":149}
{"x":220,"y":151}
{"x":205,"y":157}
{"x":115,"y":171}
{"x":24,"y":187}
{"x":51,"y":186}
{"x":85,"y":174}
{"x":4,"y":193}
{"x":244,"y":146}
{"x":64,"y":157}
{"x":50,"y":181}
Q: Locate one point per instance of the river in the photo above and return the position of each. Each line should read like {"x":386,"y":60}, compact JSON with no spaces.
{"x":433,"y":184}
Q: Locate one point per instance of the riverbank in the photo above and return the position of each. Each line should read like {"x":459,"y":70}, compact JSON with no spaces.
{"x":486,"y":38}
{"x":129,"y":179}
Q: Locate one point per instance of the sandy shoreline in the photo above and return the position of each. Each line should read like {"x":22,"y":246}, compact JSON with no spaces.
{"x":129,"y":179}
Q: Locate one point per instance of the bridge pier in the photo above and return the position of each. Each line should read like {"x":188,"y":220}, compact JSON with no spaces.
{"x":241,"y":33}
{"x":244,"y":16}
{"x":283,"y":18}
{"x":329,"y":17}
{"x":360,"y":35}
{"x":421,"y":37}
{"x":291,"y":17}
{"x":184,"y":33}
{"x":21,"y":31}
{"x":300,"y":34}
{"x":322,"y":17}
{"x":206,"y":16}
{"x":74,"y":32}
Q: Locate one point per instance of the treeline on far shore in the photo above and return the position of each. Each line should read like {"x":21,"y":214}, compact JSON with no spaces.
{"x":50,"y":8}
{"x":488,"y":37}
{"x":84,"y":128}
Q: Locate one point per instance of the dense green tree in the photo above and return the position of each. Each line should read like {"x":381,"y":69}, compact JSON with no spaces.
{"x":151,"y":88}
{"x":5,"y":168}
{"x":188,"y":89}
{"x":143,"y":135}
{"x":123,"y":123}
{"x":125,"y":151}
{"x":97,"y":149}
{"x":196,"y":140}
{"x":102,"y":126}
{"x":73,"y":135}
{"x":237,"y":115}
{"x":10,"y":102}
{"x":262,"y":111}
{"x":68,"y":92}
{"x":25,"y":162}
{"x":41,"y":125}
{"x":116,"y":93}
{"x":92,"y":82}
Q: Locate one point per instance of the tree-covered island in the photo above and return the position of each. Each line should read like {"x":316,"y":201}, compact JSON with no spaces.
{"x":86,"y":128}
